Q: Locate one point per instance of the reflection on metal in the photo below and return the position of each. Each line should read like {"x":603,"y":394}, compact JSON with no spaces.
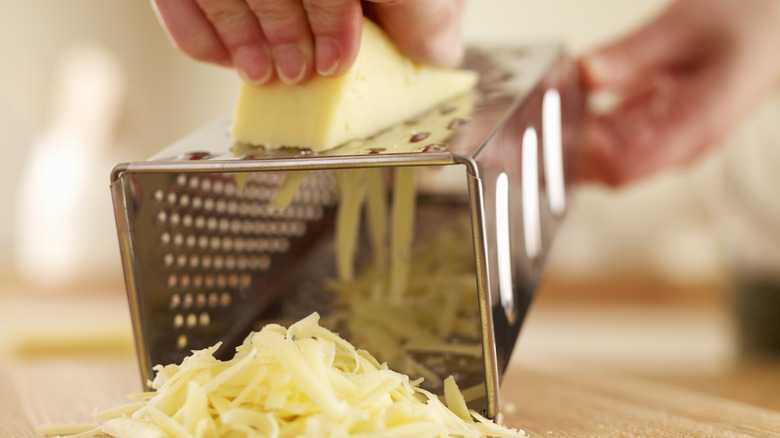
{"x":553,"y":151}
{"x":531,"y":218}
{"x":503,"y":246}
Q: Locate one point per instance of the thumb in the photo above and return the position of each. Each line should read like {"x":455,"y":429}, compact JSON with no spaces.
{"x":426,"y":31}
{"x":637,"y":56}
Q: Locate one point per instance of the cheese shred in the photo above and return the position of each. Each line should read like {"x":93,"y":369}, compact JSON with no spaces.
{"x":301,"y":381}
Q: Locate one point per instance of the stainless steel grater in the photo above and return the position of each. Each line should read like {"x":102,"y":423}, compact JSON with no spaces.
{"x":205,"y":258}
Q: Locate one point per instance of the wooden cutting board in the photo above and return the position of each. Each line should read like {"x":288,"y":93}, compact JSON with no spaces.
{"x":607,"y":404}
{"x":567,"y":402}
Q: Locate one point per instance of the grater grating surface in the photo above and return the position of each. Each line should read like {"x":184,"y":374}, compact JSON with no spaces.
{"x":206,"y":259}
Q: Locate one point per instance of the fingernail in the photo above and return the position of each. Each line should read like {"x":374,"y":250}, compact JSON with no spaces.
{"x":253,"y":65}
{"x":602,"y":69}
{"x":290,"y":64}
{"x":453,"y":57}
{"x":444,"y":49}
{"x":449,"y":51}
{"x":327,"y":56}
{"x":445,"y":55}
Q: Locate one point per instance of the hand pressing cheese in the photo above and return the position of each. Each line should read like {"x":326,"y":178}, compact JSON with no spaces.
{"x":381,"y":89}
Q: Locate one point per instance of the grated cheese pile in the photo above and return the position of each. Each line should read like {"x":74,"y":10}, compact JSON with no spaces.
{"x":303,"y":381}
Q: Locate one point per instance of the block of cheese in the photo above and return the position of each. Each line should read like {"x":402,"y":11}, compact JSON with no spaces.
{"x":381,"y":89}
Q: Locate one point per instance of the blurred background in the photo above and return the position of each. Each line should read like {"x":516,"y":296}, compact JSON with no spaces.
{"x":87,"y":84}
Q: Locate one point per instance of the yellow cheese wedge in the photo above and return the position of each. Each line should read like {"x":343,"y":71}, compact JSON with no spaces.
{"x":381,"y":89}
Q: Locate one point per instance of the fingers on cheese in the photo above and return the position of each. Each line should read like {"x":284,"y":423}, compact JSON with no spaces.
{"x":381,"y":89}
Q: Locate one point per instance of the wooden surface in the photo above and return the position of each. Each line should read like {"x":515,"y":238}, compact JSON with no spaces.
{"x":578,"y":371}
{"x":571,"y":404}
{"x":544,"y":402}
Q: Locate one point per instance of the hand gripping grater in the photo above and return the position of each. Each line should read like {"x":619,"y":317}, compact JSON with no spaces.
{"x":205,"y":258}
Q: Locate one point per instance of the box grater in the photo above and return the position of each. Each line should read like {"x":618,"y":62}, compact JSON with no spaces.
{"x":205,"y":258}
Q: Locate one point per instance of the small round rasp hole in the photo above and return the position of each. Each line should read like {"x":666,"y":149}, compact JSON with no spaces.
{"x":219,"y":261}
{"x":235,"y":226}
{"x":233,"y":280}
{"x":225,"y":299}
{"x":456,"y":123}
{"x":420,"y":136}
{"x":264,"y":261}
{"x":232,"y":207}
{"x":247,"y":226}
{"x":224,"y":224}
